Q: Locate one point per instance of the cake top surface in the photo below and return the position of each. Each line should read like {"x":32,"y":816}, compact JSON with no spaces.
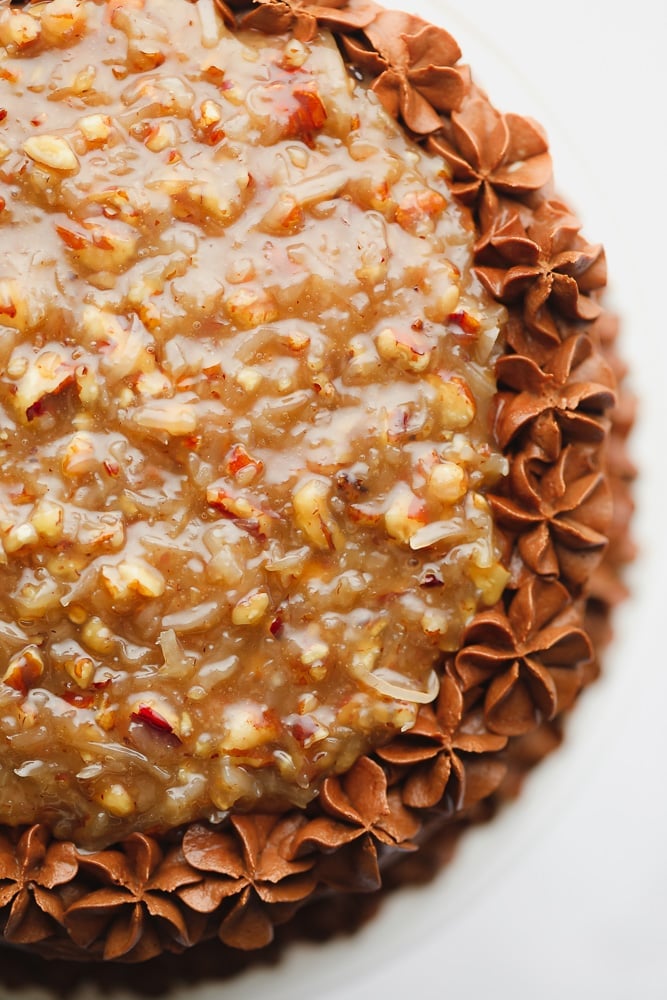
{"x":246,"y":419}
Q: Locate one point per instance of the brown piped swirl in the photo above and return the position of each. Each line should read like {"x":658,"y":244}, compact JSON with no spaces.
{"x":562,"y":520}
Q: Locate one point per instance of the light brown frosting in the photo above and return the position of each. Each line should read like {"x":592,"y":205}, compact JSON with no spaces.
{"x":562,"y":517}
{"x":541,"y":259}
{"x":565,"y":400}
{"x":304,"y":19}
{"x":130,"y":912}
{"x":412,"y":65}
{"x":32,"y":871}
{"x":492,"y":155}
{"x":560,"y":512}
{"x":525,"y":662}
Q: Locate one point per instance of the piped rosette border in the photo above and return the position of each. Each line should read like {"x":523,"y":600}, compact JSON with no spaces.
{"x":562,"y":513}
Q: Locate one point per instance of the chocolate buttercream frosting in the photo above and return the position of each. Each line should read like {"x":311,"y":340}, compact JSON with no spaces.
{"x":492,"y":155}
{"x":561,"y":418}
{"x":526,"y":660}
{"x":413,"y":67}
{"x":304,"y":19}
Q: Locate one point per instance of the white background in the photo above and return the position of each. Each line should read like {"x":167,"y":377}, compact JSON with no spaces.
{"x":564,"y":896}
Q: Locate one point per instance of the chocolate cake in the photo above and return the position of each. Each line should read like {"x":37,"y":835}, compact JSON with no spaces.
{"x":313,"y":489}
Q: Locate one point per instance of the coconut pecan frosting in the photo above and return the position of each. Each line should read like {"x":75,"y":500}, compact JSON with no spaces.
{"x":561,"y":515}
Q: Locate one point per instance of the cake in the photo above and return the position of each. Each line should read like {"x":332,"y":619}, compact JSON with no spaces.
{"x":314,"y":491}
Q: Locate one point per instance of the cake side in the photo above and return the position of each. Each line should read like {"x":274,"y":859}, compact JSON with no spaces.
{"x":522,"y":663}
